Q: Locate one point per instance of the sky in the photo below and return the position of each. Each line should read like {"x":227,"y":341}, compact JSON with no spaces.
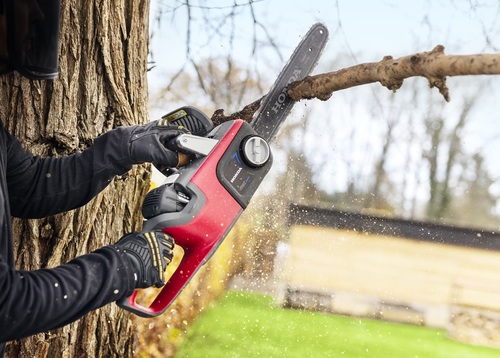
{"x":366,"y":29}
{"x":360,"y":31}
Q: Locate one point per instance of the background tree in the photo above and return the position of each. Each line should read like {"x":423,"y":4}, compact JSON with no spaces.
{"x":474,"y":203}
{"x":213,"y":83}
{"x":441,"y":190}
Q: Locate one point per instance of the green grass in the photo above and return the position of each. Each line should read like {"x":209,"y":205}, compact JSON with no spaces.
{"x":248,"y":325}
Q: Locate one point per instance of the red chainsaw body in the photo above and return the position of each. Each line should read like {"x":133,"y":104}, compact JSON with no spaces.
{"x":209,"y":194}
{"x":220,"y":186}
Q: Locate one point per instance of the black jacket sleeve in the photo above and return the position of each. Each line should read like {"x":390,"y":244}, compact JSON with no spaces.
{"x":43,"y":186}
{"x":36,"y":301}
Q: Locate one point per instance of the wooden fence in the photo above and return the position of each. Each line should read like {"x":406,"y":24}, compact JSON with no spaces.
{"x":393,"y":269}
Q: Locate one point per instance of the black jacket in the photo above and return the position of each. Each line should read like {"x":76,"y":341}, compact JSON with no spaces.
{"x":34,"y":187}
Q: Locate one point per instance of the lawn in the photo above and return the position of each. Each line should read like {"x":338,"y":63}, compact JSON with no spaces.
{"x":245,"y":324}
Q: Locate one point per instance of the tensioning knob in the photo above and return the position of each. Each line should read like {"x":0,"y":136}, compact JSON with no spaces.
{"x":256,"y":151}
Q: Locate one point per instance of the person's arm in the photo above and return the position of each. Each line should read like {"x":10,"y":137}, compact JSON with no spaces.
{"x":43,"y":186}
{"x":36,"y":301}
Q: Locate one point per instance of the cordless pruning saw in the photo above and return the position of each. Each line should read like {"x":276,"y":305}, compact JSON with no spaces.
{"x":199,"y":204}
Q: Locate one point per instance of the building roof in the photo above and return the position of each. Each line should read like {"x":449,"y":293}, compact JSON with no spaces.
{"x":410,"y":229}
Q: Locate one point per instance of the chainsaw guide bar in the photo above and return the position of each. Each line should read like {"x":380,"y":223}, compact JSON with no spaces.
{"x":277,"y":104}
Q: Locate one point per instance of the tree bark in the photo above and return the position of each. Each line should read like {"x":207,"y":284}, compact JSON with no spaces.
{"x":102,"y":84}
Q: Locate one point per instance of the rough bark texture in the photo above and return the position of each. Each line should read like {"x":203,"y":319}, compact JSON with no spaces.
{"x":102,"y":84}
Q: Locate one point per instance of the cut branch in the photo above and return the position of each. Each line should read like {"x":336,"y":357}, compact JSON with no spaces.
{"x":246,"y":113}
{"x":390,"y":72}
{"x":433,"y":65}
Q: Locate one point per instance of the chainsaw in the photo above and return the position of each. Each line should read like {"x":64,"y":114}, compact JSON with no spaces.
{"x":199,"y":203}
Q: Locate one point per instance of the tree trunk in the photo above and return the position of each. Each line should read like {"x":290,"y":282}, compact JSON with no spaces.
{"x":102,"y":84}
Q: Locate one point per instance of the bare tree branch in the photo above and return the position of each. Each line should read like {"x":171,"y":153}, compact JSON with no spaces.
{"x":433,"y":65}
{"x":390,"y":72}
{"x":246,"y":113}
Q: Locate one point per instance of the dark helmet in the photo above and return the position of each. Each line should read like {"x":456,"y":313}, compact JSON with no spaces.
{"x":33,"y":37}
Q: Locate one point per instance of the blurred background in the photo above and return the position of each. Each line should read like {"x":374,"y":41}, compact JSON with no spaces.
{"x":407,"y":156}
{"x":408,"y":153}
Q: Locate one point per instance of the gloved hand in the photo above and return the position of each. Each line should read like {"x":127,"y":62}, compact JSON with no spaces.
{"x":148,"y":143}
{"x":149,"y":253}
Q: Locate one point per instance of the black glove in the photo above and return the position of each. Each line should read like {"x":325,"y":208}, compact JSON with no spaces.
{"x":149,"y":253}
{"x":148,"y":143}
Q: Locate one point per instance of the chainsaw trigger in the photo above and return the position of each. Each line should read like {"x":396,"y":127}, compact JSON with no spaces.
{"x":195,"y":144}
